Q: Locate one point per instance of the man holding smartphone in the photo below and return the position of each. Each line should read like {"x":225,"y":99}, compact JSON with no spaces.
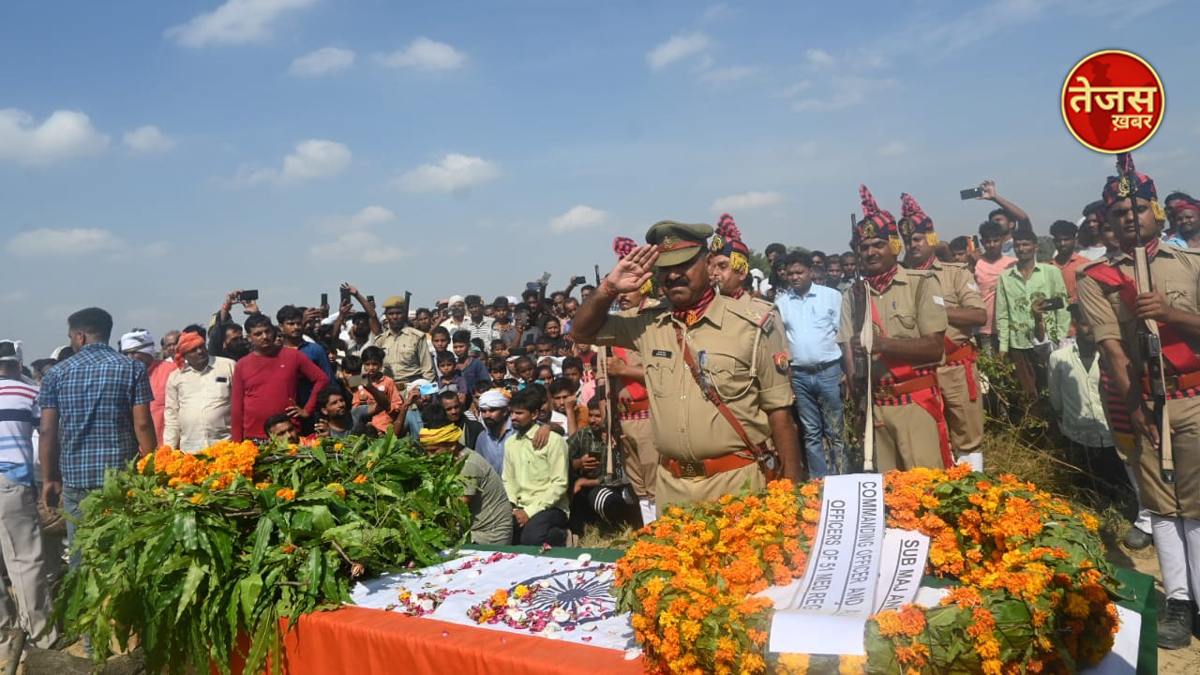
{"x":1031,"y":312}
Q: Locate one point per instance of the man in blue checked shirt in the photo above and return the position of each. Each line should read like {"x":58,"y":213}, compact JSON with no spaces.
{"x":95,"y":415}
{"x":811,"y":314}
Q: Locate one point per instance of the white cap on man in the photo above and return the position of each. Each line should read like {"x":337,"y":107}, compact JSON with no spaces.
{"x":137,"y":341}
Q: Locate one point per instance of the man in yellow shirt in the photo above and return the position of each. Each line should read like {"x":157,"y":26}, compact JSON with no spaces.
{"x":535,"y":478}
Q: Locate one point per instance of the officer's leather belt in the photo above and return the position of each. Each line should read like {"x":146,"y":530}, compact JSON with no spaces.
{"x":1175,"y":384}
{"x":965,"y":352}
{"x":896,"y":389}
{"x":633,"y":407}
{"x":685,"y":468}
{"x":820,"y":367}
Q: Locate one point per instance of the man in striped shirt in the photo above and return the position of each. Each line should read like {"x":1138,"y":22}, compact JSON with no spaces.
{"x":24,"y":556}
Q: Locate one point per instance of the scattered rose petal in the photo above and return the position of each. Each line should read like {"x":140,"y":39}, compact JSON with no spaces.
{"x":584,"y":558}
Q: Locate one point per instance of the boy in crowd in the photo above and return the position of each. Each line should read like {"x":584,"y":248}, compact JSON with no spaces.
{"x":535,"y":479}
{"x":378,"y":393}
{"x":439,"y":340}
{"x":448,"y":376}
{"x":592,"y":500}
{"x":563,"y":402}
{"x":470,"y":366}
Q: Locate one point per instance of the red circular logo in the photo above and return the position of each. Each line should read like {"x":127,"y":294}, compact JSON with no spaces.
{"x":1113,"y":101}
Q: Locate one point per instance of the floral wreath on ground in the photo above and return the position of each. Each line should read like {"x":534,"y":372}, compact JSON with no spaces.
{"x":1034,"y":592}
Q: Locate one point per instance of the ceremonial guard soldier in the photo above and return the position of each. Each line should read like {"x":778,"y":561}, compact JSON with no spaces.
{"x":1158,"y":376}
{"x":624,"y":369}
{"x":908,"y":318}
{"x":716,"y":369}
{"x":965,"y":311}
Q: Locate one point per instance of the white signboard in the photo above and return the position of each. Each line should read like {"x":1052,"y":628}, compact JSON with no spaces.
{"x":828,"y":609}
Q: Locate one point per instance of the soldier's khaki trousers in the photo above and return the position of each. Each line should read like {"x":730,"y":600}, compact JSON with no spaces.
{"x":1182,"y":498}
{"x":964,"y":417}
{"x":639,"y":456}
{"x":906,"y":437}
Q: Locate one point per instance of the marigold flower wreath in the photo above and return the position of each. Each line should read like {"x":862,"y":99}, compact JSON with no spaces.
{"x":1034,"y":592}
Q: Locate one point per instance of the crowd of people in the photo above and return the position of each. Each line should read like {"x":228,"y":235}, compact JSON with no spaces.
{"x":684,"y":374}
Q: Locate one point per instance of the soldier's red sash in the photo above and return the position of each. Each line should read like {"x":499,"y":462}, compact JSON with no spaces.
{"x":963,"y":355}
{"x":1174,"y":349}
{"x":636,"y":389}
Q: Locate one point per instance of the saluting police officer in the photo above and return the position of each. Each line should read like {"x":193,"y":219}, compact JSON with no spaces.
{"x":965,"y":312}
{"x":701,"y":351}
{"x":908,"y":315}
{"x":1109,"y":298}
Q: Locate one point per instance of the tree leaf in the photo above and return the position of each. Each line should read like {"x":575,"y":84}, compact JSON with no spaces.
{"x":195,"y":575}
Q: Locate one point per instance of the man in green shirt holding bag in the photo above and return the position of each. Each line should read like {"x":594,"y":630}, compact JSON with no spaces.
{"x":1031,"y":312}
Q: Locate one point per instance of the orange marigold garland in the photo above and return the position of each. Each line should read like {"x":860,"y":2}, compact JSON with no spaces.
{"x":214,"y":467}
{"x":1034,"y":590}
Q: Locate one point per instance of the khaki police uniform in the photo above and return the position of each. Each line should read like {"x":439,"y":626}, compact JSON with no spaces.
{"x":958,"y":377}
{"x":1176,"y":274}
{"x":406,"y":355}
{"x":639,"y":457}
{"x":907,"y":431}
{"x":745,"y":358}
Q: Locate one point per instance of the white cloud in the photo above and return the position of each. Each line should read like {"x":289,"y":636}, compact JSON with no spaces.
{"x":747,"y":201}
{"x":578,"y":218}
{"x":323,"y":61}
{"x":848,"y":90}
{"x":455,"y":173}
{"x":677,"y":48}
{"x":729,"y":74}
{"x":316,"y":158}
{"x":75,"y":242}
{"x":63,"y":135}
{"x":235,"y":22}
{"x":819,"y":58}
{"x":356,"y":241}
{"x":148,"y":139}
{"x":893,"y":149}
{"x":424,"y":54}
{"x":717,"y":12}
{"x":371,"y":215}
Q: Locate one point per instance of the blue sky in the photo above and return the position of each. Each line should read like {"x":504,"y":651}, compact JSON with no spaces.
{"x":154,"y":155}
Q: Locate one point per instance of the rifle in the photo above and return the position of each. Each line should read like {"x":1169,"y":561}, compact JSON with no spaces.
{"x":407,"y":305}
{"x":863,"y":322}
{"x":1149,"y":343}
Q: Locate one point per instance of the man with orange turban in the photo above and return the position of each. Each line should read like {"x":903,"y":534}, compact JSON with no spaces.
{"x":199,"y":396}
{"x":965,"y":312}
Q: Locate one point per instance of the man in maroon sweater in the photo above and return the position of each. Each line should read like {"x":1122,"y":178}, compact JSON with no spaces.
{"x":265,"y":382}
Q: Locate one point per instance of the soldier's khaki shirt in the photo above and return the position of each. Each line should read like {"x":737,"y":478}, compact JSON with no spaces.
{"x":1176,"y":275}
{"x":406,"y":355}
{"x":910,"y":307}
{"x":959,"y":291}
{"x":739,"y":342}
